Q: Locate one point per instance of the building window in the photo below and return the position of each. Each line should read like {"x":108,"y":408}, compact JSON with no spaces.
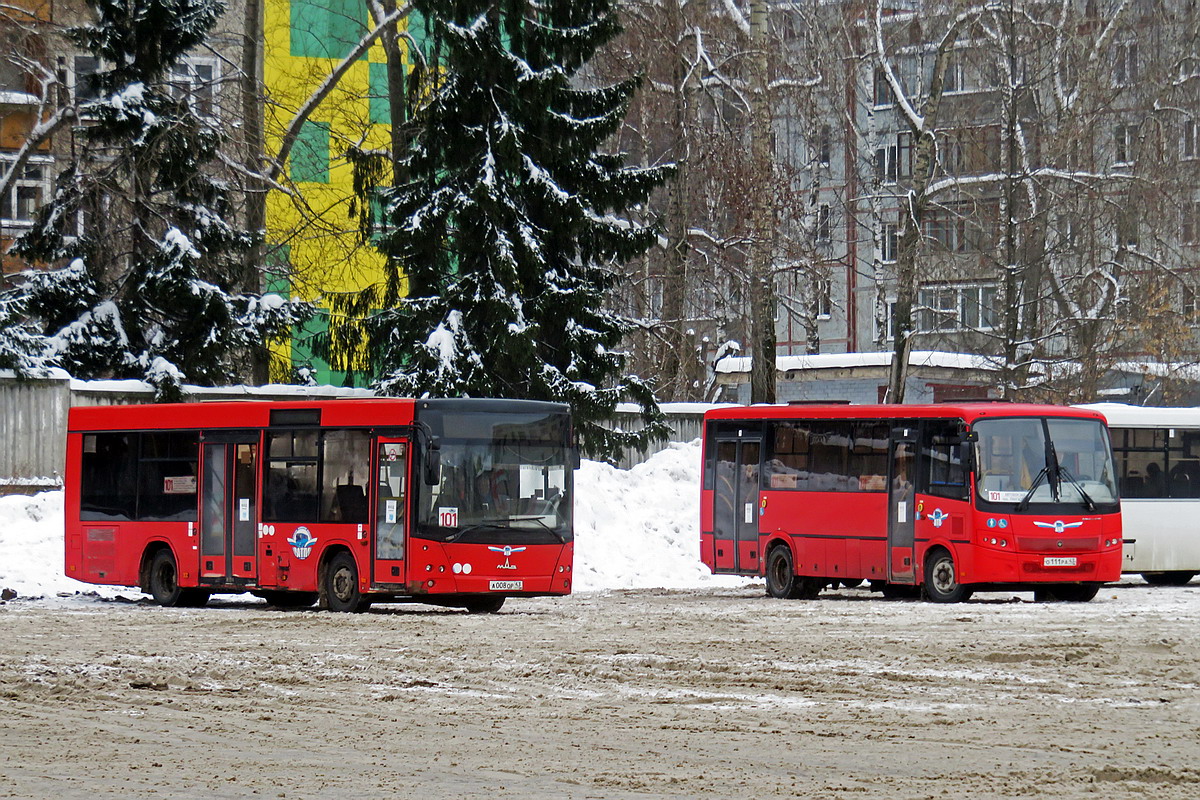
{"x":1128,"y":234}
{"x":1190,"y":146}
{"x":894,"y":161}
{"x":1124,"y":139}
{"x":1125,"y":64}
{"x":883,"y":90}
{"x":1191,"y":222}
{"x":888,"y":243}
{"x":824,"y":146}
{"x":957,"y":78}
{"x":943,"y":309}
{"x":822,"y":298}
{"x":888,"y":322}
{"x":27,"y":194}
{"x":823,"y":224}
{"x":85,"y":71}
{"x":195,"y":79}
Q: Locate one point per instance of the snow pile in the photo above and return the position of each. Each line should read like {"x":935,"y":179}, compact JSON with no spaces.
{"x":31,"y":547}
{"x":636,"y":528}
{"x":639,"y":528}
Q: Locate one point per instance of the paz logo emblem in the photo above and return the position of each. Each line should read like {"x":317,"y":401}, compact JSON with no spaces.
{"x":507,"y":551}
{"x":938,"y":516}
{"x":302,"y":542}
{"x":1058,"y":525}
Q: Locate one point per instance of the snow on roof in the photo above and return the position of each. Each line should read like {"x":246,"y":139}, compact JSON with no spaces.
{"x":1158,"y":369}
{"x":916,"y":358}
{"x":672,"y":408}
{"x":270,"y":389}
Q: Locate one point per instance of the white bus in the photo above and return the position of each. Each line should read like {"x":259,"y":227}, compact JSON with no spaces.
{"x":1157,"y":454}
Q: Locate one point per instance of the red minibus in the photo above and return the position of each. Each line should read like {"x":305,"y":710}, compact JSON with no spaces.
{"x":457,"y":502}
{"x":941,"y":499}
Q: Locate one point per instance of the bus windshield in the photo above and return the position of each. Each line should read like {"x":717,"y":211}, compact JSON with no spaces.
{"x":511,"y":486}
{"x":1044,"y":460}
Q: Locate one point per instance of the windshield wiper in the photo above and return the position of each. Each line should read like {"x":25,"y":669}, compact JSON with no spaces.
{"x":492,"y":523}
{"x":538,"y":519}
{"x":472,"y":527}
{"x":1088,"y":503}
{"x":1044,"y":472}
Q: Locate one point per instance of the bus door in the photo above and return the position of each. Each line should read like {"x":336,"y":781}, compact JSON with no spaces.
{"x":229,"y":508}
{"x":901,"y":505}
{"x":735,"y":504}
{"x":390,"y":521}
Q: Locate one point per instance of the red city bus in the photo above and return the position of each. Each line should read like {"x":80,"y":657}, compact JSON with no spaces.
{"x":945,"y":499}
{"x":453,"y":502}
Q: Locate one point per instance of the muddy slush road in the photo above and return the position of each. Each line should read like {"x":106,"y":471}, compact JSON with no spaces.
{"x":709,"y":693}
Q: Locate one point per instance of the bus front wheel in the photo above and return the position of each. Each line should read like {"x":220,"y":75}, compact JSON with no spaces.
{"x":782,"y":580}
{"x":164,"y":584}
{"x":341,"y":585}
{"x":941,"y":579}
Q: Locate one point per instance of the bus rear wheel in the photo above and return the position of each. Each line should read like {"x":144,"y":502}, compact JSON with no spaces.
{"x":164,"y":584}
{"x":341,"y":585}
{"x":1174,"y":578}
{"x":782,"y":580}
{"x":941,"y":579}
{"x":483,"y":605}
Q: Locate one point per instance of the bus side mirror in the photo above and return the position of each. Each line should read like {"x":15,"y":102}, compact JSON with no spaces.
{"x":574,"y":457}
{"x":966,"y":455}
{"x":433,"y":463}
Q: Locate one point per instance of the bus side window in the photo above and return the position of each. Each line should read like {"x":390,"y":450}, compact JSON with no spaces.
{"x":942,"y":453}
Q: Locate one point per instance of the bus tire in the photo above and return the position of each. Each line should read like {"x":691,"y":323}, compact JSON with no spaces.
{"x":281,"y":599}
{"x":483,"y":605}
{"x":340,"y":592}
{"x":163,"y":580}
{"x":941,"y":578}
{"x":782,"y":580}
{"x":1067,"y":593}
{"x":1173,"y":578}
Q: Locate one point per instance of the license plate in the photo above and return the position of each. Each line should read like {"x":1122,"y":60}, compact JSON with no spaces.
{"x":506,"y":586}
{"x":1060,"y":561}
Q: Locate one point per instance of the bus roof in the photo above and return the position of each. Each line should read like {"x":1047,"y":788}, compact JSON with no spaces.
{"x":236,"y":414}
{"x":965,"y":411}
{"x":1120,"y":415}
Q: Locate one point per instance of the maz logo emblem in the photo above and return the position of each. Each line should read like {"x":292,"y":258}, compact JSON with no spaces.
{"x":507,"y":550}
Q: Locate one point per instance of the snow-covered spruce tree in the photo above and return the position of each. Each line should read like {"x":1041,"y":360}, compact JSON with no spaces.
{"x":152,"y":284}
{"x":502,"y":242}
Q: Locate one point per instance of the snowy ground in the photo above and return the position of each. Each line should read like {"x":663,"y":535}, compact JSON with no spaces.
{"x":702,"y":689}
{"x":634,"y":529}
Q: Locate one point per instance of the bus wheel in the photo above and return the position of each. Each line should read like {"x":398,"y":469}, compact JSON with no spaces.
{"x":1168,"y":578}
{"x":289,"y":599}
{"x":341,"y":585}
{"x":782,"y":580}
{"x":941,"y":579}
{"x":483,"y":605}
{"x":164,"y":580}
{"x":1067,"y":593}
